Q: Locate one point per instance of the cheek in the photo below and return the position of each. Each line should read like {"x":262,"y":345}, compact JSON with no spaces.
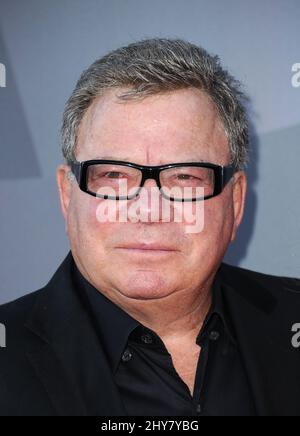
{"x":216,"y":226}
{"x":206,"y":218}
{"x":84,"y":227}
{"x":88,"y":212}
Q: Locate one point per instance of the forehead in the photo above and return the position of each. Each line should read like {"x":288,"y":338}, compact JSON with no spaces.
{"x":180,"y":124}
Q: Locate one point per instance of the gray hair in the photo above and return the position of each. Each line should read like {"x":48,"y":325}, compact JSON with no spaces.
{"x":154,"y":66}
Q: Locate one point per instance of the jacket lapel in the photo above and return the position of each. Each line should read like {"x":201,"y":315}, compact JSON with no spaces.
{"x":62,"y":394}
{"x":262,"y":325}
{"x":69,"y":359}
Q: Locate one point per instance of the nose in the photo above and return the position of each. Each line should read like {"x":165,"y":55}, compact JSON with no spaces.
{"x":150,"y":186}
{"x":149,"y":202}
{"x":150,"y":183}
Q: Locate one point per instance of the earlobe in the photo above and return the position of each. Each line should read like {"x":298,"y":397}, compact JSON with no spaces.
{"x":64,"y":185}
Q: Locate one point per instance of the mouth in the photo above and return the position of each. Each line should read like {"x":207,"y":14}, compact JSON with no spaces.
{"x":151,"y":248}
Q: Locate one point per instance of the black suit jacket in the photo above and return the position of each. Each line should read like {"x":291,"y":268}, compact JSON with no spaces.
{"x":51,"y":345}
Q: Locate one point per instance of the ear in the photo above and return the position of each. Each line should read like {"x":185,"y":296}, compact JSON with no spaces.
{"x":239,"y":191}
{"x":64,"y":184}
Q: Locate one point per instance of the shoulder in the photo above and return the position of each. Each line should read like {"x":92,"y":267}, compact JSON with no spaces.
{"x":237,"y":276}
{"x":17,"y":310}
{"x":13,"y":316}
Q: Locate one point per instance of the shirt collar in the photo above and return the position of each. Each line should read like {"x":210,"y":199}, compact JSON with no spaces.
{"x":114,"y":325}
{"x":218,"y":309}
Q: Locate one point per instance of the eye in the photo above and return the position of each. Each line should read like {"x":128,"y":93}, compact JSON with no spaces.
{"x":186,"y":176}
{"x":189,"y":178}
{"x":113,"y":174}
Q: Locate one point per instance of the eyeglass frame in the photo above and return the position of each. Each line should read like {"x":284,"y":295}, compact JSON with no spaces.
{"x":222,"y":175}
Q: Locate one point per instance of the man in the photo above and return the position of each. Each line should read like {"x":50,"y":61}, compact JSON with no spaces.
{"x":142,"y":317}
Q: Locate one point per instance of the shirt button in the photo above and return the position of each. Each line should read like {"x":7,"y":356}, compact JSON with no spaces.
{"x":199,"y":408}
{"x":214,"y":335}
{"x":147,"y":339}
{"x":127,"y":355}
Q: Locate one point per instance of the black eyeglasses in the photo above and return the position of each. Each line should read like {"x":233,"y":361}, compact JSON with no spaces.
{"x":119,"y":180}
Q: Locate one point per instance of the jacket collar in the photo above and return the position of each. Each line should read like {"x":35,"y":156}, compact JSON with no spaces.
{"x":113,"y":325}
{"x":63,"y":355}
{"x":262,"y":322}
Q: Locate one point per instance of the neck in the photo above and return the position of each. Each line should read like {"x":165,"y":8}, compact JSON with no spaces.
{"x":178,"y":317}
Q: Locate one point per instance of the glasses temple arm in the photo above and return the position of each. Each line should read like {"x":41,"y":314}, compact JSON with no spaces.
{"x":228,"y":172}
{"x":76,"y":169}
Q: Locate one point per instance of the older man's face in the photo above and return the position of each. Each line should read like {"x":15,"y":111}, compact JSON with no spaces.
{"x":181,"y":126}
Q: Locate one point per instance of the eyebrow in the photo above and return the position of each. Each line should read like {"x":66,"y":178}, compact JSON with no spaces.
{"x":113,"y":158}
{"x":128,"y":159}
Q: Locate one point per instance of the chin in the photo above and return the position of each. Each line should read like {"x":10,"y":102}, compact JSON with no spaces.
{"x":145,"y":285}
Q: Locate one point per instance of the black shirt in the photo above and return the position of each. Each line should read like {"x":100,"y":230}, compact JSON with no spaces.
{"x":143,"y":370}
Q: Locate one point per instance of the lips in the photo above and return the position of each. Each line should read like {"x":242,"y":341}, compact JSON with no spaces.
{"x":147,"y":246}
